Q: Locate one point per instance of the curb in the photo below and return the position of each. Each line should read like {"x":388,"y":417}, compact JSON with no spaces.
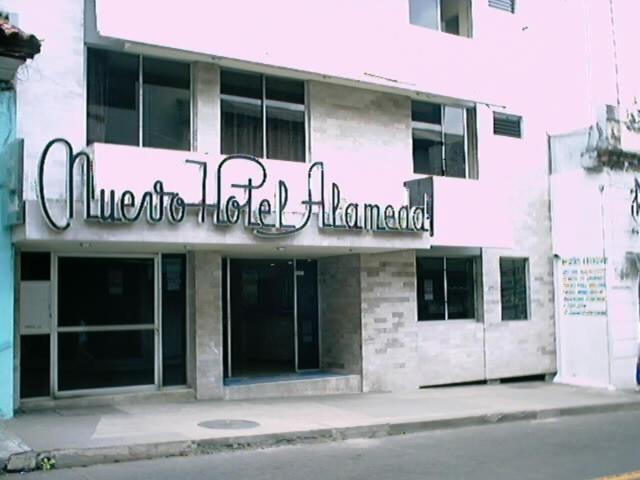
{"x":84,"y":457}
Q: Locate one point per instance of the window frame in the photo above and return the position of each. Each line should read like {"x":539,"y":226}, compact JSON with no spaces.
{"x":441,"y":21}
{"x":140,"y":96}
{"x":264,"y":103}
{"x":527,"y":282}
{"x":433,"y":127}
{"x":475,"y":288}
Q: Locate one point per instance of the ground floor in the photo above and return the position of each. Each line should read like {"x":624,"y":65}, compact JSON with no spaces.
{"x":229,"y":326}
{"x":132,"y":431}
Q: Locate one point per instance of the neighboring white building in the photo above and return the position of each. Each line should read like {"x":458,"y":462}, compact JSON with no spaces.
{"x":594,"y":199}
{"x":437,"y":93}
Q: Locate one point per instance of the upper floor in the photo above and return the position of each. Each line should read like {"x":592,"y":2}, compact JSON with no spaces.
{"x":460,"y":49}
{"x":157,"y":99}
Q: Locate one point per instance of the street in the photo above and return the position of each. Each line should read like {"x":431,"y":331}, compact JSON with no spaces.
{"x":580,"y":448}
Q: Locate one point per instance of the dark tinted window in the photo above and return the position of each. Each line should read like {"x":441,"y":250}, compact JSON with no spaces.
{"x":285,"y":133}
{"x":174,"y":321}
{"x":105,"y":291}
{"x":307,"y":314}
{"x":167,"y":104}
{"x":241,"y":84}
{"x":241,"y":127}
{"x":34,"y":366}
{"x":460,"y":289}
{"x":35,"y":266}
{"x":254,"y":119}
{"x":426,"y":112}
{"x":431,"y":299}
{"x":285,"y":90}
{"x":113,"y":97}
{"x":427,"y":153}
{"x":513,"y":288}
{"x":89,"y":360}
{"x":446,"y":288}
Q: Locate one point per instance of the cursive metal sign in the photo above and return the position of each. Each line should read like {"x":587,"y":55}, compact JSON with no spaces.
{"x":264,"y":217}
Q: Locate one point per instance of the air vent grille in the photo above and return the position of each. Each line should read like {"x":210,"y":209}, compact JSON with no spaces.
{"x":507,"y":125}
{"x":506,"y":5}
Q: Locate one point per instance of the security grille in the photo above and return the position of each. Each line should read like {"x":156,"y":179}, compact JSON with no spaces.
{"x":507,"y":125}
{"x":506,"y":5}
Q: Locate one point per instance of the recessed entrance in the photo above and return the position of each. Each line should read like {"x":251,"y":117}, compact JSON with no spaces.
{"x":271,"y":324}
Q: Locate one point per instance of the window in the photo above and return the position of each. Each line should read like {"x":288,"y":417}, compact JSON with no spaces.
{"x":138,"y":101}
{"x":513,"y":288}
{"x":507,"y":125}
{"x":263,"y":116}
{"x":506,"y":5}
{"x":450,"y":16}
{"x":106,"y":322}
{"x":442,"y":140}
{"x":446,"y":288}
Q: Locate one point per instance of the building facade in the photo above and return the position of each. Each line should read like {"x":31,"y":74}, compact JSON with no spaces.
{"x":228,"y":207}
{"x":16,"y":47}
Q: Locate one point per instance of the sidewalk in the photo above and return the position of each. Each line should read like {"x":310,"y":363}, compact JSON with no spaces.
{"x":85,"y":436}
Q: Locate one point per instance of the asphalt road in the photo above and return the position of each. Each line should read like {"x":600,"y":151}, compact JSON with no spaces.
{"x":580,"y":448}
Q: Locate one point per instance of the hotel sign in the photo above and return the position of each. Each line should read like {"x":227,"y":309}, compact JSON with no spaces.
{"x":265,"y":218}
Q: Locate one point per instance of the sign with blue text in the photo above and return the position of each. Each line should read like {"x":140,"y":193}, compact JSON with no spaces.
{"x":583,"y":286}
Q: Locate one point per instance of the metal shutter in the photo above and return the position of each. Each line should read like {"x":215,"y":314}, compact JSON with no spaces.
{"x":507,"y":125}
{"x":506,"y":5}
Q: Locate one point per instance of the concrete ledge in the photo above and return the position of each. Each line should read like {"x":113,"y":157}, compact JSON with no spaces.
{"x":67,"y":458}
{"x":177,"y":395}
{"x":330,"y":385}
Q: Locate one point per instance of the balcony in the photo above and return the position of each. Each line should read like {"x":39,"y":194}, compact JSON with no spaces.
{"x":467,"y":213}
{"x":358,"y":42}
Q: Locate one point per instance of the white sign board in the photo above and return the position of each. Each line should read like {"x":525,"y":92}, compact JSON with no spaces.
{"x":583,"y":286}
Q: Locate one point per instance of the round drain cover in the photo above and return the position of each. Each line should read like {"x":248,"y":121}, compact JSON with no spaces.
{"x":228,"y":424}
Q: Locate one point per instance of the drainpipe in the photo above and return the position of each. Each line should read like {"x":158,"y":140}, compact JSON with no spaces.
{"x":601,"y":188}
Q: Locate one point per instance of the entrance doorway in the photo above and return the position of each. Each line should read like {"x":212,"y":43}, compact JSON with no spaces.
{"x":271,"y":326}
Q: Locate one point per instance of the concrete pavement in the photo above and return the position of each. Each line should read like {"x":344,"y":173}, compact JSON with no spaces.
{"x":91,"y":435}
{"x":587,"y":447}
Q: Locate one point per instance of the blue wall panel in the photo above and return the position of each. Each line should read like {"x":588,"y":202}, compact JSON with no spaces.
{"x":7,"y":134}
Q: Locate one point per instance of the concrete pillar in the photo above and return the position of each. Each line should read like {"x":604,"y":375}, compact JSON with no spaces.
{"x":207,"y":320}
{"x":389,"y":322}
{"x":206,"y":78}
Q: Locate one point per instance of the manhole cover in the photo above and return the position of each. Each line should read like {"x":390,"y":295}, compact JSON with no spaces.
{"x":228,"y":424}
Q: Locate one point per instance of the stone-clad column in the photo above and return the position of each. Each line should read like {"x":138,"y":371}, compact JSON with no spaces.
{"x":207,"y":108}
{"x":207,"y":312}
{"x":340,"y":318}
{"x":389,"y":322}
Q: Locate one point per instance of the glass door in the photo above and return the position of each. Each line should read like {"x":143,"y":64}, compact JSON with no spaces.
{"x":307,"y":332}
{"x":270,"y":317}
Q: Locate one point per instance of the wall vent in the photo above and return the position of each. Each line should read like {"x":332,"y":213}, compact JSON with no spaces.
{"x":506,"y":5}
{"x":507,"y":125}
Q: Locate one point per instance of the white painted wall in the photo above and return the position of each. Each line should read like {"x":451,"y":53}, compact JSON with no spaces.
{"x":595,"y":208}
{"x":373,"y":41}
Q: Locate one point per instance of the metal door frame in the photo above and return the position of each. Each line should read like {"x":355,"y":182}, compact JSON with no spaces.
{"x":295,"y":314}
